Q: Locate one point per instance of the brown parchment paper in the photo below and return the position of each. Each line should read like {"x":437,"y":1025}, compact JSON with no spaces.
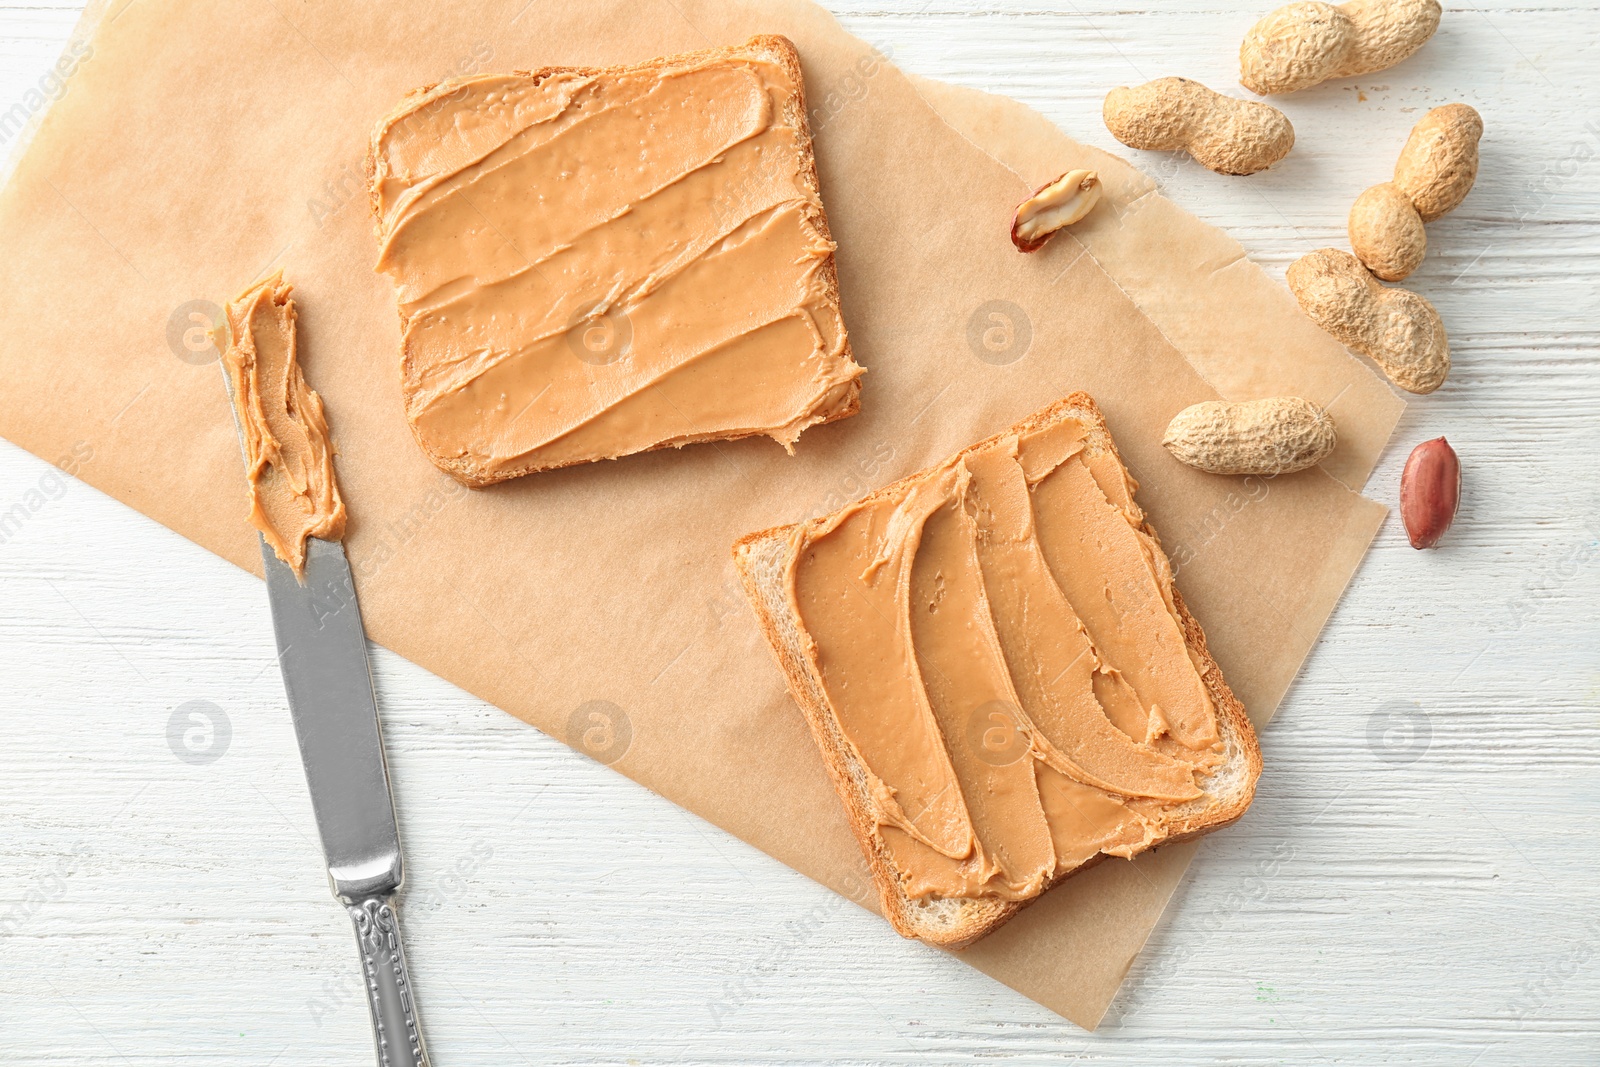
{"x":200,"y":145}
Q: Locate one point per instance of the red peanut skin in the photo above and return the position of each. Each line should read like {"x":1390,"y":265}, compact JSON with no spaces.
{"x":1430,"y":491}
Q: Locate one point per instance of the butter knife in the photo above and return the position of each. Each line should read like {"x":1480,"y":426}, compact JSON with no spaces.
{"x":322,"y":651}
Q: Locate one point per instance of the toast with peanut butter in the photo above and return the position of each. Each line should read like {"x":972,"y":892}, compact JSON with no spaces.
{"x":594,"y":262}
{"x":1004,"y":683}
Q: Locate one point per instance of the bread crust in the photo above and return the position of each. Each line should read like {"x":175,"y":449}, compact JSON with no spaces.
{"x":762,"y":558}
{"x":770,"y":47}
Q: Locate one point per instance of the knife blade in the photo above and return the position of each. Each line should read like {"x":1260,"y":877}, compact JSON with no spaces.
{"x":322,"y":652}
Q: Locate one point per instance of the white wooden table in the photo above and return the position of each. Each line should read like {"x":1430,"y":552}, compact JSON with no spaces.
{"x":1415,"y":884}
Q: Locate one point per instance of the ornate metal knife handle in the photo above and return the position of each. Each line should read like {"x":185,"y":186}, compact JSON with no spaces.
{"x":383,"y":956}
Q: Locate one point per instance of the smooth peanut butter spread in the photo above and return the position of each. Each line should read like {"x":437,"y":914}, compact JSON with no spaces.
{"x":999,"y":642}
{"x":288,"y":453}
{"x":591,"y":263}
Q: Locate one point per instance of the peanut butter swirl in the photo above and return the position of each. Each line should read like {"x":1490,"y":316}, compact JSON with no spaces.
{"x":999,"y":641}
{"x":288,"y":453}
{"x":594,"y":263}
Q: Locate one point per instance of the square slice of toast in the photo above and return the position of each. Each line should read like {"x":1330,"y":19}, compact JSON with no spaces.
{"x":594,"y":262}
{"x":1004,"y":684}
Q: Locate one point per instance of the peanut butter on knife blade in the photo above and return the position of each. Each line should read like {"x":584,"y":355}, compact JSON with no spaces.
{"x":288,"y":452}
